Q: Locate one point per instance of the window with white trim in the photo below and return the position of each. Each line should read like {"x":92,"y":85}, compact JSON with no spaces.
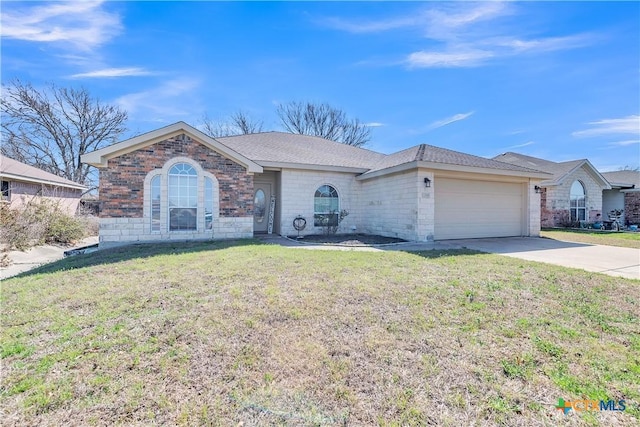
{"x":578,"y":205}
{"x":326,"y":206}
{"x":183,"y":198}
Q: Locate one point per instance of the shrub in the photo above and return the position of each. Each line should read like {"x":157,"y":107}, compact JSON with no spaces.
{"x":38,"y":221}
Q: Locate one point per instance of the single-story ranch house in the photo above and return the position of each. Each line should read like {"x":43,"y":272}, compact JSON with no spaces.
{"x":21,"y":183}
{"x":624,"y":195}
{"x":577,"y":192}
{"x":178,"y":183}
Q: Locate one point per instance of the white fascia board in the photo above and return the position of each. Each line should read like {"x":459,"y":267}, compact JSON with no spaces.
{"x":100,"y":157}
{"x":388,"y":171}
{"x":11,"y":176}
{"x":455,"y":168}
{"x":591,"y":170}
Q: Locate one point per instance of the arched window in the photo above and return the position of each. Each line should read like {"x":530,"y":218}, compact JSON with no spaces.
{"x":578,"y":206}
{"x":183,"y":197}
{"x":326,"y":206}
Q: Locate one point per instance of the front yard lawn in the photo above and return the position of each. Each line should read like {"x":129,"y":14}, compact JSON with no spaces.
{"x":625,"y":240}
{"x":230,"y":333}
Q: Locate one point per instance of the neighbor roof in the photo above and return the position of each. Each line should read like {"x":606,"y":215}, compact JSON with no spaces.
{"x":623,"y":178}
{"x":18,"y":171}
{"x":558,"y":170}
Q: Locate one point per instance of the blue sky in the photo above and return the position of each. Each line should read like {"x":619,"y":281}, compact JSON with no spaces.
{"x":558,"y":80}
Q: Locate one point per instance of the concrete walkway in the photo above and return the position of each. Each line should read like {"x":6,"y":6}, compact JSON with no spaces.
{"x":35,"y":257}
{"x":611,"y":260}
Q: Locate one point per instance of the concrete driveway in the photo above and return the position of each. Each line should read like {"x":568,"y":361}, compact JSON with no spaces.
{"x":611,"y":260}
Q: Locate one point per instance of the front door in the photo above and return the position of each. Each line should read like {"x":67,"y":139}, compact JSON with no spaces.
{"x":261,"y":203}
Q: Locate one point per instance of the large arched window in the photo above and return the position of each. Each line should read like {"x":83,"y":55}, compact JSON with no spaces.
{"x":578,"y":204}
{"x":326,"y":206}
{"x":183,"y":197}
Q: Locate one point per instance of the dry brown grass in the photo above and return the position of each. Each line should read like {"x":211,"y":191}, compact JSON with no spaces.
{"x":264,"y":335}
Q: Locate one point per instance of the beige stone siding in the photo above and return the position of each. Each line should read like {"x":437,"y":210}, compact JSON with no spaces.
{"x":121,"y":231}
{"x":398,"y":205}
{"x":298,"y":189}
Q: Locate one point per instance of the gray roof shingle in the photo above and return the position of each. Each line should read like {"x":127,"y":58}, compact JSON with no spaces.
{"x":623,"y":177}
{"x":283,"y":147}
{"x":430,"y":153}
{"x":558,"y":170}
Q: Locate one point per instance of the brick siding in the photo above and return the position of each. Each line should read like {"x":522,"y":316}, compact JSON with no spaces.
{"x":122,"y":181}
{"x":632,"y":208}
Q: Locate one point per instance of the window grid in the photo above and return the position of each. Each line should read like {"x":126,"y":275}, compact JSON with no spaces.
{"x":326,"y":206}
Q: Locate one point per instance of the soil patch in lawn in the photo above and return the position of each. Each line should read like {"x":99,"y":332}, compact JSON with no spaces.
{"x":348,"y":239}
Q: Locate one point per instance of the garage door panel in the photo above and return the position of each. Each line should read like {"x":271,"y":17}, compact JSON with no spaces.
{"x":473,"y":209}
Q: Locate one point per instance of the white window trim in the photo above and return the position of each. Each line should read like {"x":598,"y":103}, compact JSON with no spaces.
{"x":578,"y":209}
{"x":314,"y":202}
{"x":164,"y":194}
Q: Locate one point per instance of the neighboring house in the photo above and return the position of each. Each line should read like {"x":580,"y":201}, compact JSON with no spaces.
{"x":22,"y":183}
{"x":624,"y":195}
{"x":177,"y":183}
{"x":572,"y":194}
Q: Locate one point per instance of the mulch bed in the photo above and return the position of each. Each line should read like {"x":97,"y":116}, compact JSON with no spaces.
{"x":349,"y":239}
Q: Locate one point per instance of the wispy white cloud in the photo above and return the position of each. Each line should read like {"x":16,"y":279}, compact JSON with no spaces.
{"x":374,"y":26}
{"x":464,"y":34}
{"x":113,"y":72}
{"x":629,"y":125}
{"x":453,"y":58}
{"x":449,"y":120}
{"x":166,"y":102}
{"x":525,"y":144}
{"x":624,"y":143}
{"x":84,"y":25}
{"x":374,"y":124}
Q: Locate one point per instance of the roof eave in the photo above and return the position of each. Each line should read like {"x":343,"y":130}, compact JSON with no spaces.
{"x":306,"y":166}
{"x":451,"y":167}
{"x":597,"y":175}
{"x":42,"y":181}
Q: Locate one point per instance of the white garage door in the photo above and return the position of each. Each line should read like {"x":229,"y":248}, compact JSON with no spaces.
{"x":470,"y":209}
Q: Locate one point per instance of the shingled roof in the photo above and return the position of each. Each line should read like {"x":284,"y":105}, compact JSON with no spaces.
{"x":431,"y":154}
{"x":18,"y":171}
{"x":623,"y":178}
{"x":286,"y":150}
{"x":280,"y":147}
{"x":558,"y":170}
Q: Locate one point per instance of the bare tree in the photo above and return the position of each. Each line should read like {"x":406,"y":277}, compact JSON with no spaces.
{"x":324,"y":121}
{"x":630,"y":168}
{"x":53,"y":127}
{"x":239,"y":123}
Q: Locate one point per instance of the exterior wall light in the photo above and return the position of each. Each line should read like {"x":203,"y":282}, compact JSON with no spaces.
{"x":427,"y":182}
{"x":538,"y":189}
